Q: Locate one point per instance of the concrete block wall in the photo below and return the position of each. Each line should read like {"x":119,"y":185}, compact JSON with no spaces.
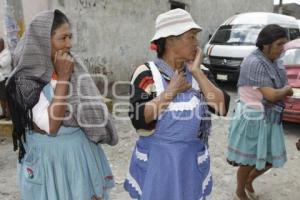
{"x":113,"y":36}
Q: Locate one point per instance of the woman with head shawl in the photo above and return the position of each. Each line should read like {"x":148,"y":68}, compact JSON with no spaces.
{"x":256,"y":141}
{"x":169,"y":99}
{"x":58,"y":117}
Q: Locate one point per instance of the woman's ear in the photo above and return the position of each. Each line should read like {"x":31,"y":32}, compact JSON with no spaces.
{"x":266,"y":48}
{"x":169,"y":42}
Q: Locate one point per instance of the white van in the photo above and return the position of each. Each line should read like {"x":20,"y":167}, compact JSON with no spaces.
{"x":236,"y":38}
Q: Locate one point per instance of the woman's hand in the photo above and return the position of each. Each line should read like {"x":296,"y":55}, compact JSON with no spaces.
{"x":194,"y":66}
{"x":154,"y":107}
{"x":214,"y":96}
{"x":63,"y":65}
{"x":178,"y":84}
{"x":289,"y":90}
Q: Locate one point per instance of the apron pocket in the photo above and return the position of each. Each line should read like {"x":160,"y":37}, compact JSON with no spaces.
{"x":203,"y":161}
{"x":32,"y":167}
{"x":141,"y":157}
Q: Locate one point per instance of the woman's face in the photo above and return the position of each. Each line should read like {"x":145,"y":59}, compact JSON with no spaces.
{"x":273,"y":51}
{"x":61,"y":39}
{"x":185,"y":45}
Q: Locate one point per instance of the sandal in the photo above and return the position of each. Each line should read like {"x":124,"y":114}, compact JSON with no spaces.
{"x":251,"y":195}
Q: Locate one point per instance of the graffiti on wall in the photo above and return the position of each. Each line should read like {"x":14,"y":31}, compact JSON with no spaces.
{"x":97,"y":65}
{"x":100,"y":73}
{"x":89,"y":4}
{"x":13,"y":22}
{"x":11,"y":31}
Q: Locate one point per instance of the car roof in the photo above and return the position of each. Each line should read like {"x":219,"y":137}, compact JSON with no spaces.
{"x":293,"y":44}
{"x":262,"y":18}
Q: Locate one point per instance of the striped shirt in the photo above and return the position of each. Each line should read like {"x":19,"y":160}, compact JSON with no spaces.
{"x":259,"y":71}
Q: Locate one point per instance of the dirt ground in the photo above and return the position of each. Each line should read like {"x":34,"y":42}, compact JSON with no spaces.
{"x":276,"y":184}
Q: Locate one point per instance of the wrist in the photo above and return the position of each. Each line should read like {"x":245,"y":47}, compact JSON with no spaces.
{"x":198,"y":75}
{"x":195,"y":71}
{"x":63,"y":78}
{"x":169,"y":94}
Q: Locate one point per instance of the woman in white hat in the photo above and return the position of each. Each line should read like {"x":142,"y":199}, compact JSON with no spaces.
{"x":169,"y":111}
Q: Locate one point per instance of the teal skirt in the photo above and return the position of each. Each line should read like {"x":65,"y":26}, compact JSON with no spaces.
{"x":255,"y":141}
{"x":65,"y":167}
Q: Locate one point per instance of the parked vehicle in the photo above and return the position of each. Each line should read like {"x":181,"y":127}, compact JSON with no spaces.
{"x":236,"y":38}
{"x":291,"y":61}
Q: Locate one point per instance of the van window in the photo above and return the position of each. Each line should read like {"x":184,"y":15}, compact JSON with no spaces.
{"x":294,"y":33}
{"x":236,"y":35}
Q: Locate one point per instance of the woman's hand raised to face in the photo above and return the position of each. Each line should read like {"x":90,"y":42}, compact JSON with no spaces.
{"x":194,"y":65}
{"x":178,"y":83}
{"x":64,"y":65}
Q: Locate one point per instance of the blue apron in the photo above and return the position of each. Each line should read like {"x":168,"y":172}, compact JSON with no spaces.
{"x":173,"y":163}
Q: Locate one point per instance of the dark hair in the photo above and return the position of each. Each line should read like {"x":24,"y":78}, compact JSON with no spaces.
{"x":59,"y":19}
{"x":270,"y":34}
{"x":160,"y":43}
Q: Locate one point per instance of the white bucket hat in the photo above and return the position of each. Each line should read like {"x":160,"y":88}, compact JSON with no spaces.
{"x":174,"y":22}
